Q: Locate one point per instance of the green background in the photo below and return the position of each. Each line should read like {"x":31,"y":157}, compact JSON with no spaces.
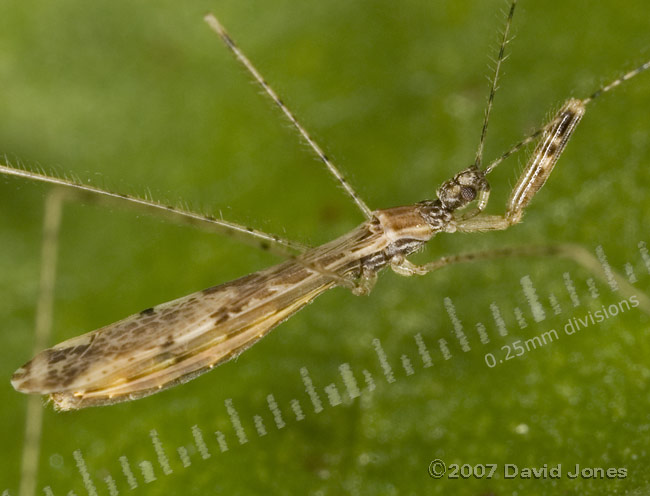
{"x":145,"y":99}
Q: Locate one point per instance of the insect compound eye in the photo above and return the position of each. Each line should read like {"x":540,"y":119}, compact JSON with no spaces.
{"x":467,"y":193}
{"x":463,"y":188}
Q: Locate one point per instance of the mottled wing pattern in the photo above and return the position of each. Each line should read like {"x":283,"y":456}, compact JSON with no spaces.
{"x":174,"y":342}
{"x":170,"y":343}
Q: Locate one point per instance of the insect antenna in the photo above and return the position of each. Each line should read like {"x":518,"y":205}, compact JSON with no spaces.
{"x":216,"y":26}
{"x":585,"y":101}
{"x":494,"y":84}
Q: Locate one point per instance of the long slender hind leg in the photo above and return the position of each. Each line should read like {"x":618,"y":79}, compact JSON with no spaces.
{"x":570,"y":251}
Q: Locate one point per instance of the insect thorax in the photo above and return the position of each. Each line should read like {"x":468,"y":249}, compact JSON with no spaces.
{"x":405,"y":229}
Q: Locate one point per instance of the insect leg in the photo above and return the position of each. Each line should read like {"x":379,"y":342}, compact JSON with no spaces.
{"x":554,"y":139}
{"x":361,"y":285}
{"x":536,"y":134}
{"x":573,"y":252}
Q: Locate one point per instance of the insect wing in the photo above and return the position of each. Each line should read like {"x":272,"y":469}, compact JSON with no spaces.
{"x":170,"y":343}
